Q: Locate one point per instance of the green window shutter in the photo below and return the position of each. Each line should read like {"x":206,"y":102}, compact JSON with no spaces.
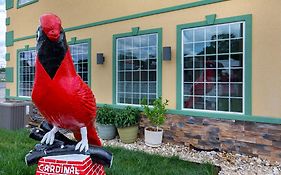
{"x":8,"y":21}
{"x":8,"y":56}
{"x":9,"y":38}
{"x":9,"y":4}
{"x":9,"y":74}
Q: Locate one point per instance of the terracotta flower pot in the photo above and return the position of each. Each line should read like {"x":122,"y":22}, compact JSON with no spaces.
{"x":152,"y":137}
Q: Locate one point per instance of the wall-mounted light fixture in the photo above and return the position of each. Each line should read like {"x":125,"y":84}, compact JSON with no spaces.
{"x":167,"y":53}
{"x":100,"y":58}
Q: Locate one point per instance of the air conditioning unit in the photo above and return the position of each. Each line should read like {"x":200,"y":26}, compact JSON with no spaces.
{"x":13,"y":114}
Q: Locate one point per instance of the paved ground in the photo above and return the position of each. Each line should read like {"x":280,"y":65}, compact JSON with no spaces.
{"x":2,"y":91}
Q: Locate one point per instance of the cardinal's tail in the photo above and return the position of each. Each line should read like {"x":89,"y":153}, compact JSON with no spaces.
{"x":93,"y":137}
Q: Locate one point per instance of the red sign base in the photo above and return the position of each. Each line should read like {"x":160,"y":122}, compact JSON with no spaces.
{"x":69,"y":165}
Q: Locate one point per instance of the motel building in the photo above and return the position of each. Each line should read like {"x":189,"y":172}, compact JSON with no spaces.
{"x":218,"y":62}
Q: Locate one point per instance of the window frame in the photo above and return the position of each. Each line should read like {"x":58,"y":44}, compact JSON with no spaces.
{"x":72,"y":41}
{"x":204,"y":68}
{"x":247,"y":65}
{"x":18,"y":69}
{"x":25,"y":4}
{"x":137,"y":32}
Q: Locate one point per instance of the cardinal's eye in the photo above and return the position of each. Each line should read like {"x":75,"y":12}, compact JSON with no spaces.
{"x":38,"y":35}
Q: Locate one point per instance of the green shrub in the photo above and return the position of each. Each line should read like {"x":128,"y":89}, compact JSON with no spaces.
{"x":127,"y":117}
{"x":156,"y":112}
{"x":106,"y":115}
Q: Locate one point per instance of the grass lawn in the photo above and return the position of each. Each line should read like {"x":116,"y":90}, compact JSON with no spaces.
{"x":14,"y":145}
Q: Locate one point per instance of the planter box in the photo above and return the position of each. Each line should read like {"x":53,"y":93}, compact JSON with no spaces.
{"x":13,"y":115}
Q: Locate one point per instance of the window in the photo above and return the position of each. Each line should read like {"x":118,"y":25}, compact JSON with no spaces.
{"x":23,"y":2}
{"x":80,"y":55}
{"x":137,"y":60}
{"x":26,"y":72}
{"x":213,"y":67}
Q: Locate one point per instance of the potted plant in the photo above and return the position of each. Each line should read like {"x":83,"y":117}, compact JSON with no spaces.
{"x":156,"y":115}
{"x":105,"y":122}
{"x":127,"y":124}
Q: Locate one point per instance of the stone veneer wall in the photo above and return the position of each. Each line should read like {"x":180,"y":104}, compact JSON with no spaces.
{"x":251,"y":138}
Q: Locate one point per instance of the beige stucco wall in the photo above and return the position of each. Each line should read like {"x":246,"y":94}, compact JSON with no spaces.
{"x":266,"y":43}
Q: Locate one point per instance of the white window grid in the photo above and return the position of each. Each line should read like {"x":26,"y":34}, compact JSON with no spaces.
{"x":142,"y":51}
{"x":22,"y":2}
{"x":26,"y":72}
{"x":214,"y":95}
{"x":79,"y":53}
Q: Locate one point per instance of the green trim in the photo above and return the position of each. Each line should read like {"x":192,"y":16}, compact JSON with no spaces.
{"x":135,"y":16}
{"x":9,"y":38}
{"x":24,"y":38}
{"x":135,"y":30}
{"x":239,"y":117}
{"x":19,"y":98}
{"x":247,"y":67}
{"x":9,"y":4}
{"x":74,"y":40}
{"x":159,"y":66}
{"x":8,"y":56}
{"x":7,"y":93}
{"x":26,"y":4}
{"x":211,"y":19}
{"x":9,"y":74}
{"x":8,"y":21}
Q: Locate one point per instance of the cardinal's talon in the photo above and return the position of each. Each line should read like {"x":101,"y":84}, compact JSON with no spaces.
{"x":83,"y":144}
{"x":49,"y":137}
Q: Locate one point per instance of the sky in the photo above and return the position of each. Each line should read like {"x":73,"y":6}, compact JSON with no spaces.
{"x":2,"y":33}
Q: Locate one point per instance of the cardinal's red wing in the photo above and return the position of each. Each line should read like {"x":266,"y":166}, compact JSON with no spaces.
{"x":85,"y":96}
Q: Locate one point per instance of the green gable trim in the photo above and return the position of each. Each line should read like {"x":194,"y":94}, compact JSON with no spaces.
{"x":135,"y":30}
{"x":26,"y":4}
{"x":211,"y":19}
{"x":8,"y":56}
{"x":159,"y":65}
{"x":8,"y":21}
{"x":135,"y":16}
{"x":9,"y":74}
{"x":9,"y":38}
{"x":72,"y":40}
{"x":9,"y":4}
{"x":247,"y":67}
{"x":242,"y":117}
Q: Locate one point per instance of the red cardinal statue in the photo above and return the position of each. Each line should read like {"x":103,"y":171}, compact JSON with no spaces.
{"x":59,"y":93}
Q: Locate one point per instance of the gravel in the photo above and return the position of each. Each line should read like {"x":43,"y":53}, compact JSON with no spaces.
{"x":231,"y":164}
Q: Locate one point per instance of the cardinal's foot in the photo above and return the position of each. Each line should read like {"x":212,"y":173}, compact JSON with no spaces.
{"x":83,"y":144}
{"x":49,"y":137}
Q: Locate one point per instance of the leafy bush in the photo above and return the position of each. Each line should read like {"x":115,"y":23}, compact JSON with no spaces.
{"x":106,"y":115}
{"x":127,"y":117}
{"x":155,"y":113}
